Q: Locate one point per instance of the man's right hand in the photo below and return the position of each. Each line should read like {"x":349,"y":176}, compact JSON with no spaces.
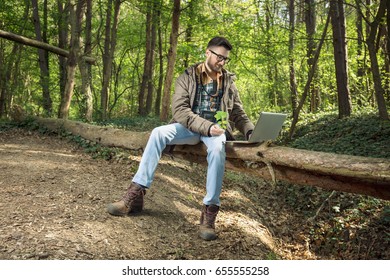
{"x":215,"y":130}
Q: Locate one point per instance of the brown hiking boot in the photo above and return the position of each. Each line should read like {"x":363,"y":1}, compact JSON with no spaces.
{"x":207,"y":222}
{"x":132,"y":201}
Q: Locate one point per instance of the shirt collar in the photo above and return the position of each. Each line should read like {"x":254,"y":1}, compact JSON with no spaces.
{"x":202,"y":71}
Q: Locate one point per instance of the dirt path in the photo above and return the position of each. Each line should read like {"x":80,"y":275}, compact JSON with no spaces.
{"x":53,"y":201}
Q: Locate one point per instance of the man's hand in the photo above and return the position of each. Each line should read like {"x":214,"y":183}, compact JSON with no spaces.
{"x":215,"y":130}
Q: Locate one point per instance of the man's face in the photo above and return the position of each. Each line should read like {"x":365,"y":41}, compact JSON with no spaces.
{"x":216,"y":58}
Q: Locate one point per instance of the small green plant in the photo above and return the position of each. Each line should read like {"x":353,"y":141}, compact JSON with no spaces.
{"x":221,"y":118}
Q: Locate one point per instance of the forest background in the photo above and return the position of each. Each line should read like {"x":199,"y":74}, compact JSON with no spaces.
{"x":122,"y":56}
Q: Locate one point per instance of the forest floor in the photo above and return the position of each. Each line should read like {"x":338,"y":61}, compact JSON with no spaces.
{"x":53,"y":199}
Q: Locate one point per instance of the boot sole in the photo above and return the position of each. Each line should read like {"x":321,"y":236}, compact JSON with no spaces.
{"x":207,"y":236}
{"x":113,"y":211}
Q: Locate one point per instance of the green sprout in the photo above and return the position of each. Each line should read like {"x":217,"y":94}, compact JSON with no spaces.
{"x":221,"y":118}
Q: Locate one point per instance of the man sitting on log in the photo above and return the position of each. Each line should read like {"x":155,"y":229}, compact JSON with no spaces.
{"x":201,"y":91}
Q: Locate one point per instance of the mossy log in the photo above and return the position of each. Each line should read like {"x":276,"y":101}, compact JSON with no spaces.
{"x":360,"y":175}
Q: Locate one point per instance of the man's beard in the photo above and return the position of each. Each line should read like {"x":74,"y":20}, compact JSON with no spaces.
{"x":214,"y":67}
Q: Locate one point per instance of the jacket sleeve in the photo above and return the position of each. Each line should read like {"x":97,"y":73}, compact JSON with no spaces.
{"x":181,"y":107}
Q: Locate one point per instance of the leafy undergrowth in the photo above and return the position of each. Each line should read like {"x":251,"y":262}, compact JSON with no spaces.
{"x":360,"y":135}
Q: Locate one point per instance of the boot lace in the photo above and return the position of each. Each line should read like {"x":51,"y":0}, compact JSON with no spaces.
{"x":133,"y":192}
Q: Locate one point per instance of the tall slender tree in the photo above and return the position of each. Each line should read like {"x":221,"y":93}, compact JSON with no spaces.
{"x":310,"y":24}
{"x":43,"y":62}
{"x":157,"y":105}
{"x":146,"y":89}
{"x":85,"y":68}
{"x":63,"y":33}
{"x":111,"y":28}
{"x":153,"y":33}
{"x":293,"y":83}
{"x":76,"y":17}
{"x":166,"y":99}
{"x":340,"y":57}
{"x":372,"y":37}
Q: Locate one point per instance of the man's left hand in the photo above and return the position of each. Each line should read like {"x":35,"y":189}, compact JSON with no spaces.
{"x":215,"y":130}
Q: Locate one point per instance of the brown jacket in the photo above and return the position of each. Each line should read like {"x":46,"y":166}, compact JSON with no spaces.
{"x":183,"y":100}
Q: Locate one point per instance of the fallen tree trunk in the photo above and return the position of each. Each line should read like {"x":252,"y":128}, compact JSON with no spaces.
{"x":361,"y":175}
{"x":40,"y":45}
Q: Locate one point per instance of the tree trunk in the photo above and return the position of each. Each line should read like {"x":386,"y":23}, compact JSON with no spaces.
{"x":309,"y":79}
{"x":310,"y":23}
{"x":63,"y":23}
{"x":108,"y":55}
{"x":388,"y":30}
{"x":76,"y":16}
{"x":144,"y":81}
{"x":189,"y":30}
{"x":85,"y":68}
{"x":107,"y":63}
{"x":387,"y":52}
{"x":293,"y":83}
{"x":376,"y":75}
{"x":369,"y":176}
{"x":161,"y":69}
{"x":166,"y":99}
{"x":153,"y":31}
{"x":340,"y":57}
{"x":360,"y":60}
{"x":271,"y":67}
{"x":145,"y":97}
{"x":43,"y":63}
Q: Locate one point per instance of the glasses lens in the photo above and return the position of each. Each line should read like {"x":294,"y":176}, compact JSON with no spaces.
{"x":220,"y":57}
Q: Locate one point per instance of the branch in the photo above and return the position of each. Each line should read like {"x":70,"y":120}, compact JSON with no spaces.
{"x":40,"y":45}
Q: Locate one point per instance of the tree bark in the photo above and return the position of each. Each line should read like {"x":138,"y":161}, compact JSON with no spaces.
{"x":153,"y":31}
{"x":108,"y":55}
{"x":361,"y":175}
{"x":145,"y":96}
{"x":166,"y":99}
{"x":340,"y":57}
{"x":376,"y":75}
{"x":43,"y":62}
{"x":85,"y":68}
{"x":310,"y":23}
{"x":157,"y":105}
{"x":309,"y":79}
{"x":76,"y":16}
{"x":293,"y":82}
{"x":62,"y":23}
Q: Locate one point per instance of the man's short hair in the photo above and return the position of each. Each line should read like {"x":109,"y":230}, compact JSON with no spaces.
{"x":220,"y":42}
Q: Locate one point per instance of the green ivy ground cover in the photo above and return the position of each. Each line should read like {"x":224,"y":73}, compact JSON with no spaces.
{"x":360,"y":135}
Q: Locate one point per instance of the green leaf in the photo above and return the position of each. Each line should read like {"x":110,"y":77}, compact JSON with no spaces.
{"x":221,"y":118}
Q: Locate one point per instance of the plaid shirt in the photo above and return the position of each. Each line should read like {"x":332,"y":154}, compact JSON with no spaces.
{"x":209,"y":92}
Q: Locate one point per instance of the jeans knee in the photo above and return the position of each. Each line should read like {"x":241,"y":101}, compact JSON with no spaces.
{"x":157,"y":133}
{"x":217,"y":151}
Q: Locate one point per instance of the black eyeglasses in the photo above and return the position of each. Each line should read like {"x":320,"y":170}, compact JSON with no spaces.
{"x":221,"y":57}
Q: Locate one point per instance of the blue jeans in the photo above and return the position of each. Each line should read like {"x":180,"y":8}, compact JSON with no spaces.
{"x":177,"y":134}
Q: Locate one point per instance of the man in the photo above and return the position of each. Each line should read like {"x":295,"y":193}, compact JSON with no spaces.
{"x":202,"y":90}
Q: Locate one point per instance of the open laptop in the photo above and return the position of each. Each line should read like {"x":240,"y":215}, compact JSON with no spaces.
{"x":268,"y":127}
